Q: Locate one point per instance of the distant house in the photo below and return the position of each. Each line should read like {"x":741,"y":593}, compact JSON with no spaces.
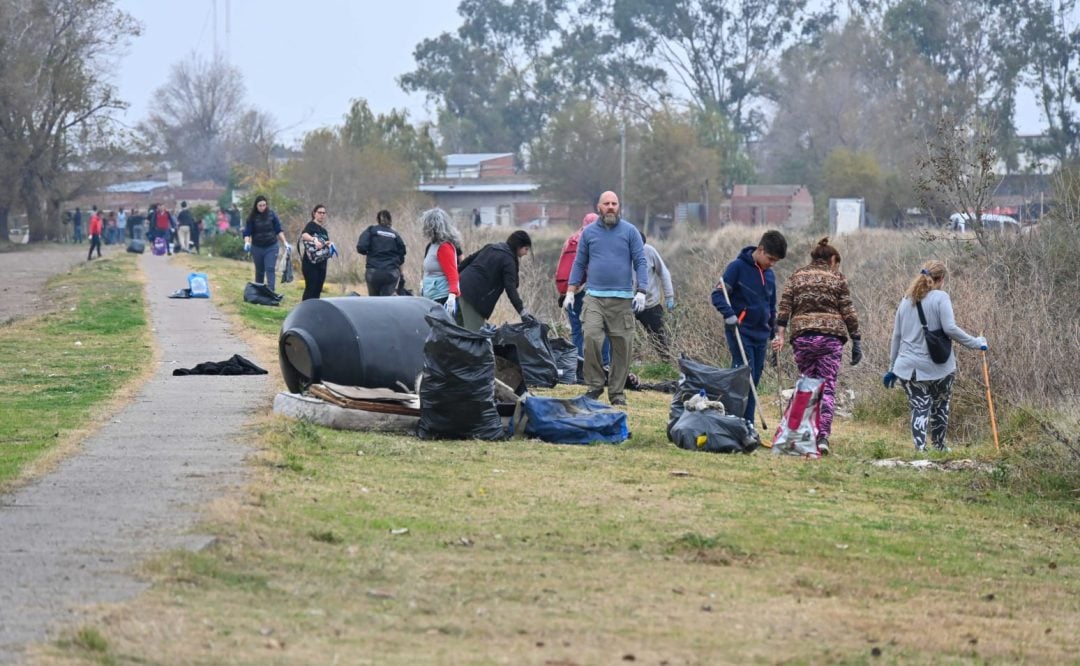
{"x":1022,"y":196}
{"x":489,"y":183}
{"x":140,"y":194}
{"x":787,"y":206}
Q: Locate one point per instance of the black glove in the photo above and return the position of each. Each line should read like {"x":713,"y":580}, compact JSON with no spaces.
{"x":856,"y":351}
{"x":562,"y":297}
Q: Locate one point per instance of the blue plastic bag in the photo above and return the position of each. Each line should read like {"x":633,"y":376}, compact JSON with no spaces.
{"x":578,"y":420}
{"x":199,"y":285}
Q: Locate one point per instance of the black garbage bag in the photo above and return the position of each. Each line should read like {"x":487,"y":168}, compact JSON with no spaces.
{"x":709,"y":430}
{"x":259,"y":294}
{"x":529,"y":338}
{"x":457,"y":392}
{"x":730,"y":386}
{"x":565,"y":354}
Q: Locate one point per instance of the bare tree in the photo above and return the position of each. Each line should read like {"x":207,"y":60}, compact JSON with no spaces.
{"x":958,"y":170}
{"x":56,"y":98}
{"x":193,"y":116}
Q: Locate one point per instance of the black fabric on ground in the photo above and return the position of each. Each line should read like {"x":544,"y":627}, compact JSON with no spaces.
{"x":237,"y":365}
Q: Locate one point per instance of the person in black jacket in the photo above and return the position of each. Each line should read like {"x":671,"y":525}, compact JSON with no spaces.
{"x":385,"y":251}
{"x":485,"y":274}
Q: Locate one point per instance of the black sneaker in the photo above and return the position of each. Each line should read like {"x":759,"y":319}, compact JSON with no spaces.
{"x":823,"y":446}
{"x":618,"y":401}
{"x":594,"y":394}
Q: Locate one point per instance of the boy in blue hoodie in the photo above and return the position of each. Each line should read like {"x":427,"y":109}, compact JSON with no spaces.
{"x":751,"y":285}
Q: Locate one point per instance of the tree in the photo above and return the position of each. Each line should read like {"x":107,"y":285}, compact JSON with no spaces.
{"x":393,"y":132}
{"x":848,"y":174}
{"x":1053,"y":62}
{"x":719,"y":50}
{"x":57,"y":101}
{"x":577,"y":157}
{"x":367,"y":160}
{"x":958,"y":171}
{"x":194,"y":115}
{"x":671,"y":164}
{"x":486,"y":78}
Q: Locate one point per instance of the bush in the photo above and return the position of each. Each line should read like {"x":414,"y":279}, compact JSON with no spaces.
{"x":228,"y":245}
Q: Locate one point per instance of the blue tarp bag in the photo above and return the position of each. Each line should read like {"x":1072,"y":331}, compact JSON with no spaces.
{"x":199,"y":285}
{"x":579,"y":420}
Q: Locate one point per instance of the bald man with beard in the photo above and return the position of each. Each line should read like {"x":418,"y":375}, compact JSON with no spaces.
{"x":610,"y":256}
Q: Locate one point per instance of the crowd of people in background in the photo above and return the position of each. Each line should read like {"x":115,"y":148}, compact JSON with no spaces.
{"x":186,"y":231}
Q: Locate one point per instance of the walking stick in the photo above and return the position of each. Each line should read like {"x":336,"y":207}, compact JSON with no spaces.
{"x":990,"y":401}
{"x":738,"y":339}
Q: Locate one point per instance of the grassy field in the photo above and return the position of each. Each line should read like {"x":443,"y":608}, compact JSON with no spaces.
{"x":60,"y":372}
{"x":362,"y":548}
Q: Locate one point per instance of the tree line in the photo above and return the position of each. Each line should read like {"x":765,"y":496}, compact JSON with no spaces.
{"x":679,"y":99}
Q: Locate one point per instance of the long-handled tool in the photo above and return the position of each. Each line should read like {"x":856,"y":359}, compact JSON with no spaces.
{"x":738,"y":339}
{"x":990,"y":401}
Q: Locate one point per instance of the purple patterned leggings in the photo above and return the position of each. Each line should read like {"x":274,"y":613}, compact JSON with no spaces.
{"x":820,"y":356}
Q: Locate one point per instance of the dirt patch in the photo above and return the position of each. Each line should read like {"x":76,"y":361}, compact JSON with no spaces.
{"x":25,"y":272}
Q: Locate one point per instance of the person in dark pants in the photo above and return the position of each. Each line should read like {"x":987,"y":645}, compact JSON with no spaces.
{"x":94,"y":231}
{"x":610,"y":267}
{"x":385,"y":252}
{"x":317,"y":249}
{"x":661,"y":294}
{"x":486,"y":274}
{"x":751,"y":286}
{"x":263,"y":236}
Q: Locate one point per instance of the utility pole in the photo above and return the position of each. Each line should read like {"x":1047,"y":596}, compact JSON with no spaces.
{"x":622,"y":161}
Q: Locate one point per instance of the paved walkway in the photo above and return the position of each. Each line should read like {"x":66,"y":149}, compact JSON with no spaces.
{"x":73,"y":537}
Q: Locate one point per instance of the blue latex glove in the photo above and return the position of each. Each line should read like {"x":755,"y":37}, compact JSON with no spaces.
{"x":889,"y":379}
{"x":670,"y":304}
{"x":247,"y":247}
{"x":983,"y":348}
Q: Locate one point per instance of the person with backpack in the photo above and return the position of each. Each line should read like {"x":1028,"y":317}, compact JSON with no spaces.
{"x":816,"y":306}
{"x":263,"y":237}
{"x":385,"y":252}
{"x":928,"y":384}
{"x":750,"y":284}
{"x":440,"y":281}
{"x":486,"y":274}
{"x":315,"y":250}
{"x":163,"y":226}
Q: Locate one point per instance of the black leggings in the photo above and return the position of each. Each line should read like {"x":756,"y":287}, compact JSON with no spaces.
{"x":314,"y":278}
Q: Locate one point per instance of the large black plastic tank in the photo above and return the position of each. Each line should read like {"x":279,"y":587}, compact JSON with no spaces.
{"x":374,"y":342}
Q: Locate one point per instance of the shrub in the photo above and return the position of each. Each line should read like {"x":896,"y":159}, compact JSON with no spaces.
{"x":228,"y":245}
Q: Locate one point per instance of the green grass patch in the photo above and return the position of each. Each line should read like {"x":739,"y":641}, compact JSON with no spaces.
{"x":361,"y":547}
{"x":57,"y":369}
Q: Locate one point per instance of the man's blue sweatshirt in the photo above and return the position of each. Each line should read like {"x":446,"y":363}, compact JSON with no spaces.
{"x":610,"y":257}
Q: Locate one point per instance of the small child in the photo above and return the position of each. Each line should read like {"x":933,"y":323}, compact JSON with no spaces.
{"x":751,"y":286}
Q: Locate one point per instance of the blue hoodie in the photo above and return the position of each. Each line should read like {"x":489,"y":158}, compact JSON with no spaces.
{"x":612,"y":258}
{"x":753,"y":296}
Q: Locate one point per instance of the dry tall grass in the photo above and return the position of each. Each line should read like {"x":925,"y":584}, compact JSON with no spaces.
{"x":1022,"y":297}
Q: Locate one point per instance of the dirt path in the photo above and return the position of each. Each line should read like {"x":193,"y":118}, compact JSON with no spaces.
{"x":73,"y":537}
{"x":24,"y":272}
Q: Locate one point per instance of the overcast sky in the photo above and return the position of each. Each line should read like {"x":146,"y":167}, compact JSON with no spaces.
{"x":304,"y":60}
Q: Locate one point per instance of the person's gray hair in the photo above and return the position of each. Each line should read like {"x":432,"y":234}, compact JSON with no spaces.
{"x":438,"y":226}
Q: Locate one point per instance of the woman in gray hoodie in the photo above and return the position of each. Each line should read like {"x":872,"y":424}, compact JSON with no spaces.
{"x":928,"y":384}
